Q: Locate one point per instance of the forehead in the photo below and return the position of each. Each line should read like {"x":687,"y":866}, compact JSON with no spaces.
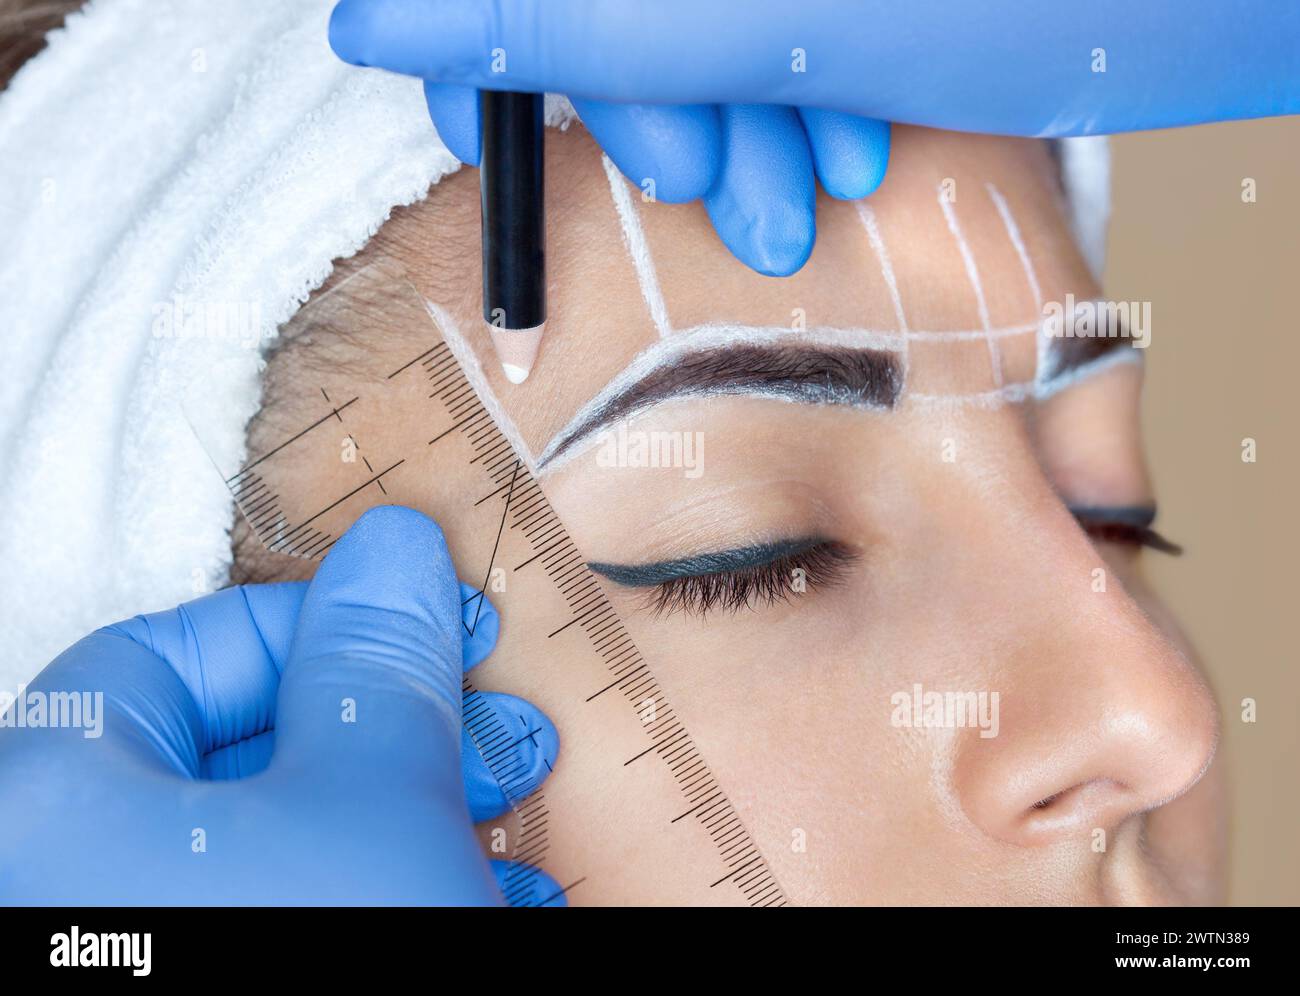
{"x":948,"y":265}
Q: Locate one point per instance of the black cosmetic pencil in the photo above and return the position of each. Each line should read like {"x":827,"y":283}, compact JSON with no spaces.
{"x":511,"y":181}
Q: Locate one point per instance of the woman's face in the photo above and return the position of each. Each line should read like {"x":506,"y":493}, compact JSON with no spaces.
{"x":863,"y":581}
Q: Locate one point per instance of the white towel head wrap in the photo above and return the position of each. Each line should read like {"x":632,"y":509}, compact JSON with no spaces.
{"x":160,"y":162}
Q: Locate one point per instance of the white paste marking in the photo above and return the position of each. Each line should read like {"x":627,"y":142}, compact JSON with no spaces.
{"x":973,"y":275}
{"x":469,"y":363}
{"x":637,"y":247}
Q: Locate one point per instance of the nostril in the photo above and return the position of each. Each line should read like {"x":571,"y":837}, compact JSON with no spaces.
{"x":1092,"y":803}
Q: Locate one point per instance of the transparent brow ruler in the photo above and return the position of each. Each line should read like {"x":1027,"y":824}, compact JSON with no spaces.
{"x":633,"y":812}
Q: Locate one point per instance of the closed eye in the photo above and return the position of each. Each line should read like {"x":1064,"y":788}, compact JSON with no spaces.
{"x":750,"y":577}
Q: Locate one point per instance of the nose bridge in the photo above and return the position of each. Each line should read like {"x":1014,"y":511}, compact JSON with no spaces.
{"x":1100,"y":714}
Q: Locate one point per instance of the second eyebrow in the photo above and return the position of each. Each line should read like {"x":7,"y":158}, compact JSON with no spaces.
{"x":1067,"y":354}
{"x":811,"y":374}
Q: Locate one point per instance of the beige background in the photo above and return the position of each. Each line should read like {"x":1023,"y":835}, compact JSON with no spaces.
{"x":1224,"y":365}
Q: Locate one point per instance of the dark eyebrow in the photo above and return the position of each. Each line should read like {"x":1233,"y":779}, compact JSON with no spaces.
{"x":1069,"y":353}
{"x":806,"y":373}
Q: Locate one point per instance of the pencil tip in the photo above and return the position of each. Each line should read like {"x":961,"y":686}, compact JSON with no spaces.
{"x":517,"y":350}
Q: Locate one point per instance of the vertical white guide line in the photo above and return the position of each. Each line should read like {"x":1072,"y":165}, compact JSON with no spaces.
{"x":637,"y":247}
{"x":868,"y":219}
{"x":973,"y":274}
{"x":1027,"y":264}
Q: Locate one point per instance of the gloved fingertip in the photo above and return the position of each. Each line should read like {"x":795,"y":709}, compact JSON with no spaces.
{"x":850,"y":153}
{"x":346,"y":32}
{"x":527,"y":885}
{"x":671,"y":152}
{"x":522,"y":743}
{"x":765,"y":201}
{"x":785,"y":242}
{"x":776,"y":241}
{"x":381,"y":619}
{"x":369,"y":546}
{"x":482,"y":626}
{"x":455,"y":113}
{"x":677,"y":183}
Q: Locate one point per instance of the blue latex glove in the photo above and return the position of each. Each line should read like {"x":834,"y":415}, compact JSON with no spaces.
{"x":360,"y":794}
{"x":1021,"y":67}
{"x":753,"y":165}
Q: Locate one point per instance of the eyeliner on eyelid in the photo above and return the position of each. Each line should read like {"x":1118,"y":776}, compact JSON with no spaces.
{"x":1138,"y":516}
{"x":1124,"y":524}
{"x":660,"y":572}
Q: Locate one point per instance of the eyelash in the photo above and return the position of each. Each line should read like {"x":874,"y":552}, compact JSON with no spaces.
{"x":752,"y":587}
{"x":824,"y":565}
{"x":1129,"y":535}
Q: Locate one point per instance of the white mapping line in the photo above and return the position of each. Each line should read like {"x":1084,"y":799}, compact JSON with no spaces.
{"x":1013,"y":233}
{"x":973,"y":274}
{"x":1024,"y":328}
{"x":868,"y":219}
{"x":1045,"y":389}
{"x":1027,"y":264}
{"x":698,"y":338}
{"x":1007,"y":393}
{"x":1042,"y":349}
{"x":637,"y":247}
{"x":713,"y":334}
{"x":469,"y":363}
{"x":1026,"y":389}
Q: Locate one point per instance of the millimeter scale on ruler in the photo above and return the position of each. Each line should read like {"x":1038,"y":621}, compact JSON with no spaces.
{"x":632,"y":813}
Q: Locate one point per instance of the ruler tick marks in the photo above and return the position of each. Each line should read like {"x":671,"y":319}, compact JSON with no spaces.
{"x":638,"y":756}
{"x":412,"y":363}
{"x":495,"y":546}
{"x":557,"y":895}
{"x":296,"y":436}
{"x":335,"y":504}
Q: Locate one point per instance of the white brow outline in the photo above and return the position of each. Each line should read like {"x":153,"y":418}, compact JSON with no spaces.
{"x":465,"y":356}
{"x":896,"y":340}
{"x":666,"y":352}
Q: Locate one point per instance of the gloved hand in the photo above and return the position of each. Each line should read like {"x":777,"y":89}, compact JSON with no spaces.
{"x":187,"y":796}
{"x":753,"y":165}
{"x":1019,"y":68}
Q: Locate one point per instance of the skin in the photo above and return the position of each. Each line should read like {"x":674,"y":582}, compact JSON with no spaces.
{"x":968,"y":572}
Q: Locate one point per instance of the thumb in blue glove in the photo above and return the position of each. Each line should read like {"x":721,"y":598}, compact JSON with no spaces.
{"x":361,"y":797}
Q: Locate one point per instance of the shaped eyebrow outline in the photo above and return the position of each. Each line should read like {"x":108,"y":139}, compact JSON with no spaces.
{"x":808,"y":373}
{"x":1067,"y":355}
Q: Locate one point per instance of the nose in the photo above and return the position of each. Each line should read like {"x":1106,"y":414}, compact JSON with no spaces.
{"x":1100,"y":715}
